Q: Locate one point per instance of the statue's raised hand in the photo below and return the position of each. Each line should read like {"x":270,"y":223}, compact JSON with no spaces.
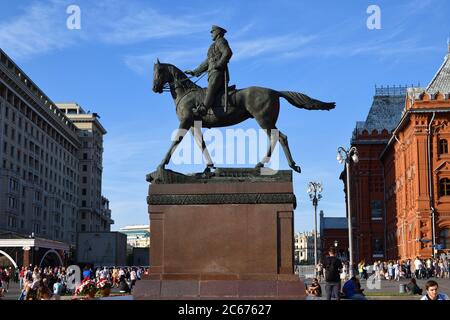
{"x":190,"y":72}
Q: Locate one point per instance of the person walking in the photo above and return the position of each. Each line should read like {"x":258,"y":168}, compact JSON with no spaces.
{"x":332,"y":267}
{"x":132,"y":278}
{"x":417,"y":267}
{"x":21,"y":277}
{"x":396,"y":268}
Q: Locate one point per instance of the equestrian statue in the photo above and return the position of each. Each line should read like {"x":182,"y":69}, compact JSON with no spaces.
{"x":220,"y":105}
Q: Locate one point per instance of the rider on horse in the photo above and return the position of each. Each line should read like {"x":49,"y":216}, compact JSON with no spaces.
{"x":219,"y":54}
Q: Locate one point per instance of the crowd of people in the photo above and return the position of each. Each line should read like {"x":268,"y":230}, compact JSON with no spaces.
{"x":395,"y":270}
{"x":334,"y":272}
{"x":47,"y":283}
{"x":6,"y":275}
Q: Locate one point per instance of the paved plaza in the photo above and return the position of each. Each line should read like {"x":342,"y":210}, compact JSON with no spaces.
{"x":390,"y":290}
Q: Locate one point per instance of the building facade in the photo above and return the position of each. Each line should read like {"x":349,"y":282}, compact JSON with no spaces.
{"x":304,"y":247}
{"x":94,"y":213}
{"x":50,"y":170}
{"x":417,"y":172}
{"x":334,"y":233}
{"x":370,"y":137}
{"x":102,"y":249}
{"x":399,"y":186}
{"x":137,"y":236}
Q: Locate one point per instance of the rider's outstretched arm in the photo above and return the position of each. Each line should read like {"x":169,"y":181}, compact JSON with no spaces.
{"x":203,"y":67}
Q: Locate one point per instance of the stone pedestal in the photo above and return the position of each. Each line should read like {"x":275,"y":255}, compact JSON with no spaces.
{"x":227,"y":235}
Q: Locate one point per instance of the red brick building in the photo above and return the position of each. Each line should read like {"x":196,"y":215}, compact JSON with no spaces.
{"x":371,"y":137}
{"x":334,"y":233}
{"x":403,"y":150}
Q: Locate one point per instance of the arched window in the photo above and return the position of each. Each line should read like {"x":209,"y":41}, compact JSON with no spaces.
{"x":444,"y":238}
{"x":443,"y":146}
{"x":444,"y":187}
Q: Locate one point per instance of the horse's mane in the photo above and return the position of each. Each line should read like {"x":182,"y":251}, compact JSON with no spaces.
{"x":181,"y":76}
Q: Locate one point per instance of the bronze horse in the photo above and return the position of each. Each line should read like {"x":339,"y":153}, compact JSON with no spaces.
{"x":254,"y":102}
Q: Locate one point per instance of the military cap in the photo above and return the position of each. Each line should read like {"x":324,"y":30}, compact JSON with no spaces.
{"x":219,"y":29}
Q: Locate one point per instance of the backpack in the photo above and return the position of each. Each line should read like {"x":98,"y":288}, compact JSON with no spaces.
{"x":332,"y":266}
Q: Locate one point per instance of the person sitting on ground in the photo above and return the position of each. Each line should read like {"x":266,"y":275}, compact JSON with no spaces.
{"x":413,"y":288}
{"x":123,"y":285}
{"x":352,"y":290}
{"x":44,"y":292}
{"x":432,"y":292}
{"x":58,"y":289}
{"x":315,"y":289}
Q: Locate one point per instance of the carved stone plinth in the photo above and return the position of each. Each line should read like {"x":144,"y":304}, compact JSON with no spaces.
{"x":226,"y":235}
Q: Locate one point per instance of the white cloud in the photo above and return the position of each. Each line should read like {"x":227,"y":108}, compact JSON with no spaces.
{"x":143,"y":63}
{"x":125,"y":23}
{"x":269,"y":45}
{"x":242,"y":50}
{"x":40,"y":29}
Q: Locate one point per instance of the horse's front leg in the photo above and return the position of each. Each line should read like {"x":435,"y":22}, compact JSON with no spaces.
{"x":181,"y":132}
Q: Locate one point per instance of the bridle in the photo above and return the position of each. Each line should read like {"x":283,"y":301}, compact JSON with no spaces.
{"x":179,"y":84}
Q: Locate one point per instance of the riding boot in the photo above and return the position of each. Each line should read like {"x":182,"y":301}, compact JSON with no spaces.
{"x":200,"y":110}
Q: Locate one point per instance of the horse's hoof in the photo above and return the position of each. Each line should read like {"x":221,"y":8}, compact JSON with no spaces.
{"x":209,"y":168}
{"x":296,"y":168}
{"x":259,"y":165}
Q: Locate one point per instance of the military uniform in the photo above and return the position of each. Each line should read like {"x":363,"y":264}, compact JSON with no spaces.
{"x":216,"y":64}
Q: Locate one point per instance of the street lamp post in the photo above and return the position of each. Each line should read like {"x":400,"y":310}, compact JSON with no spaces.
{"x":347,"y":156}
{"x":314,"y":190}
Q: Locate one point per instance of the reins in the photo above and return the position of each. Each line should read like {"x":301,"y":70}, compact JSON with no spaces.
{"x":166,"y":87}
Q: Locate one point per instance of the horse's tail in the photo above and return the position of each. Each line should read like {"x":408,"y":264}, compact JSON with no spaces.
{"x":301,"y":100}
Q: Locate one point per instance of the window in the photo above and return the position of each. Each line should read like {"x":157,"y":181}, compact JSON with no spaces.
{"x":37,"y":211}
{"x":83,"y":227}
{"x":12,"y":202}
{"x":376,"y":210}
{"x":13,"y":185}
{"x":377,"y":250}
{"x":37,"y":196}
{"x":444,"y":238}
{"x":12,"y":222}
{"x":37,"y":228}
{"x":444,"y":187}
{"x":443,"y":146}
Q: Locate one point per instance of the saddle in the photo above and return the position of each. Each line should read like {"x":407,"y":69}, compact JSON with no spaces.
{"x":219,"y":103}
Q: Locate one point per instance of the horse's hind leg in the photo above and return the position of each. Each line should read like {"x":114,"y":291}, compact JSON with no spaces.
{"x":274,"y":136}
{"x":198,"y":137}
{"x":284,"y":143}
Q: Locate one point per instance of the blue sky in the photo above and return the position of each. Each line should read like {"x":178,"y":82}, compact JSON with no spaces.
{"x":322,"y":49}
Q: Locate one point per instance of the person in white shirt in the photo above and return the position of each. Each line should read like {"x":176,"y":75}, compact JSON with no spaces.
{"x":417,"y":267}
{"x":396,"y":267}
{"x":132,"y":278}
